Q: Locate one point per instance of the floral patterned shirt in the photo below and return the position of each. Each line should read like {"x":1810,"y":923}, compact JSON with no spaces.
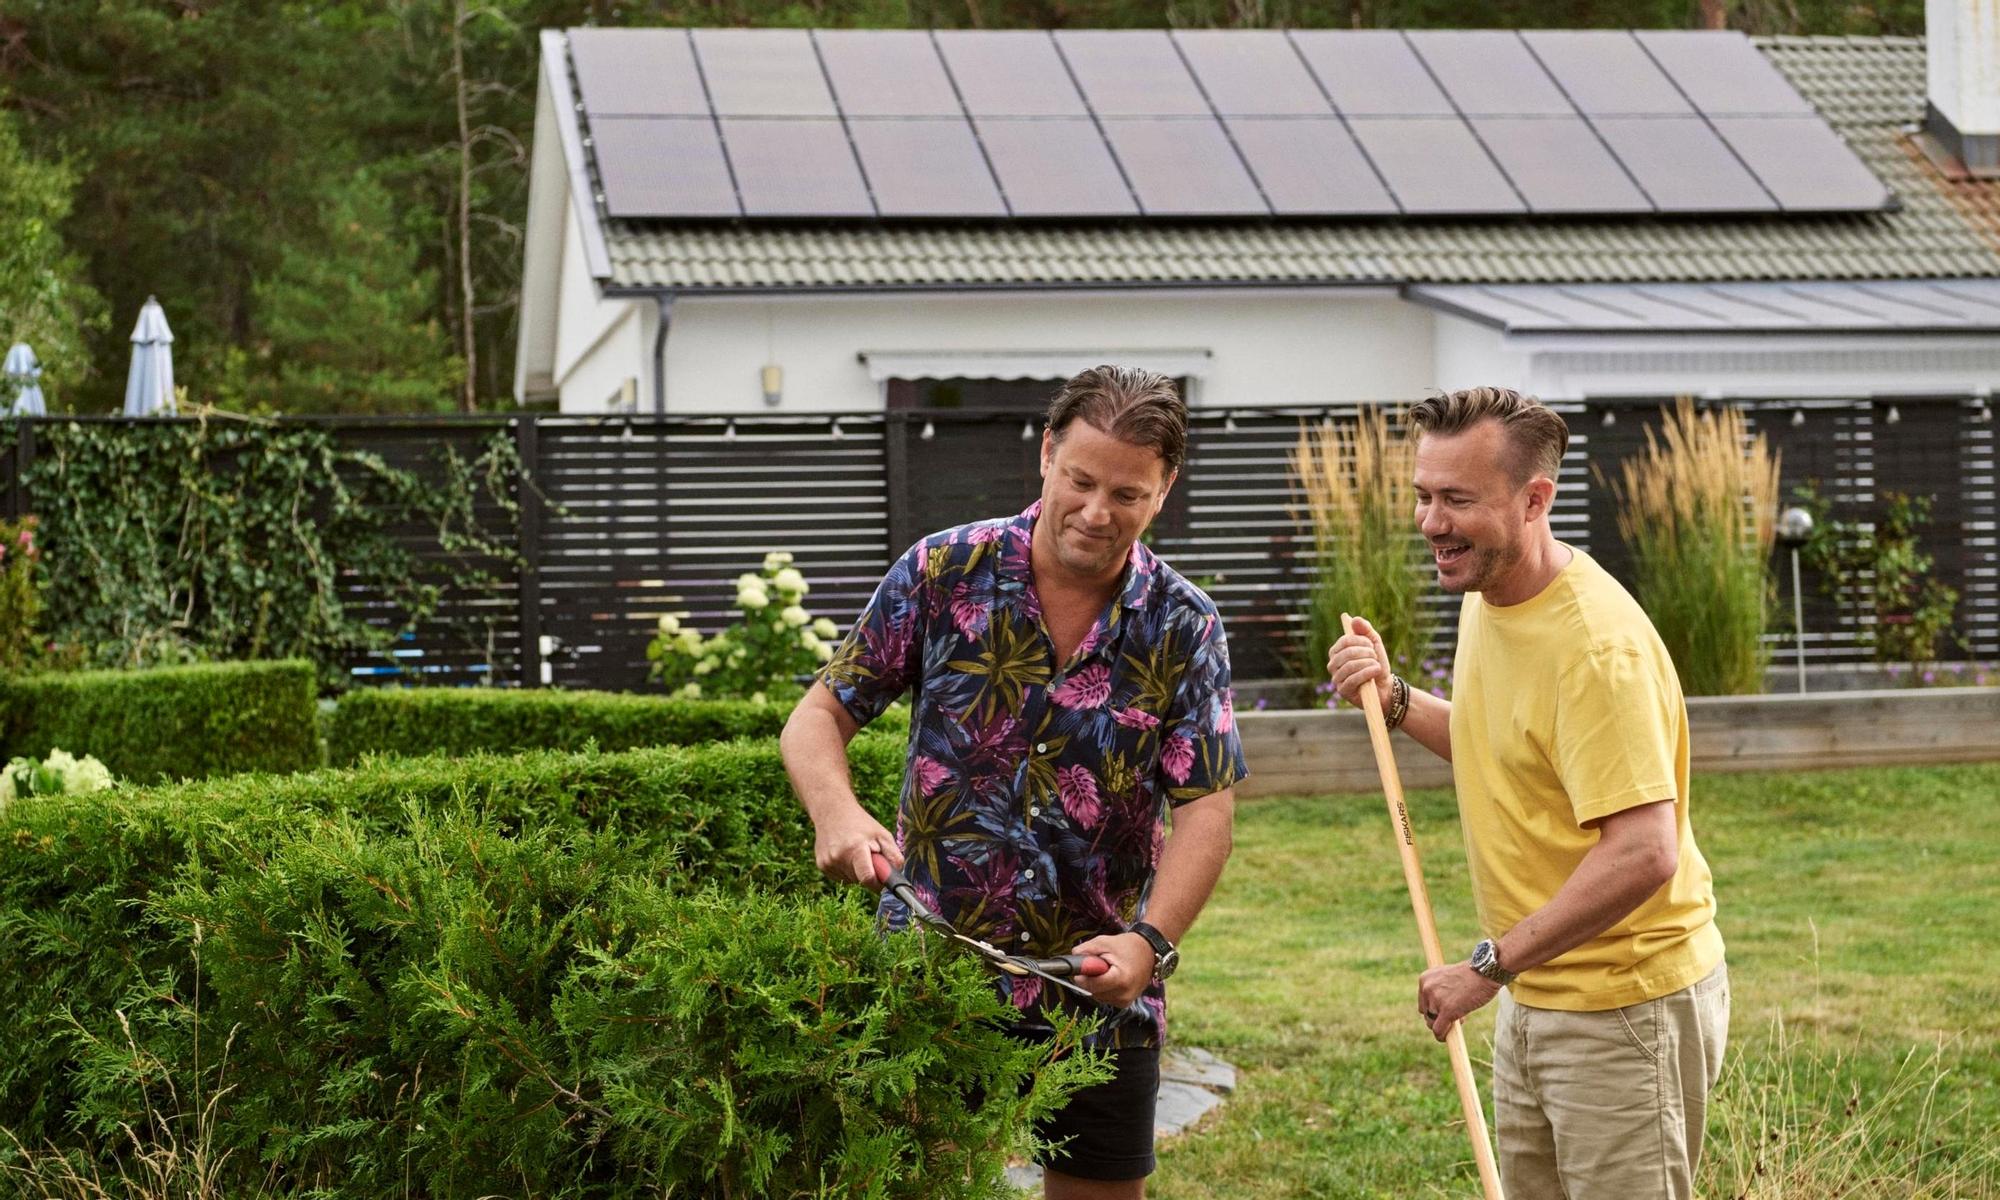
{"x":1034,"y":803}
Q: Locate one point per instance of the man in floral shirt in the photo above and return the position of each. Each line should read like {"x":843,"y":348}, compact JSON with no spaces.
{"x":1070,"y":691}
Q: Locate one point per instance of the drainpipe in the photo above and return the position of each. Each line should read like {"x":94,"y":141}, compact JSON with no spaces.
{"x":665,"y":302}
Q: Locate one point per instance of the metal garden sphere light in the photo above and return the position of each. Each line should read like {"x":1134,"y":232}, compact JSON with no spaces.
{"x":1795,"y":525}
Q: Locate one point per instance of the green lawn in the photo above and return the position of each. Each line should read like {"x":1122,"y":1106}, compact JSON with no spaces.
{"x":1862,"y":913}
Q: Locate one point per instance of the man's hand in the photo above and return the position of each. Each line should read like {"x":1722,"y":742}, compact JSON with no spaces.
{"x":1355,"y":660}
{"x":1447,"y":995}
{"x":1130,"y":957}
{"x":843,"y":846}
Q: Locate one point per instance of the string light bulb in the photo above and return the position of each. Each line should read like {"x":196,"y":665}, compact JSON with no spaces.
{"x":928,"y":432}
{"x":1895,"y":416}
{"x":1610,"y":418}
{"x":1027,"y":431}
{"x":1798,"y":417}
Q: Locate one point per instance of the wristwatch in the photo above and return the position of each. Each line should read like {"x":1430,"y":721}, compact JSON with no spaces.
{"x":1486,"y":961}
{"x":1165,"y":956}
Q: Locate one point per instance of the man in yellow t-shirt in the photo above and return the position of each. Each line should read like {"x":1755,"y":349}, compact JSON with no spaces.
{"x":1568,"y":739}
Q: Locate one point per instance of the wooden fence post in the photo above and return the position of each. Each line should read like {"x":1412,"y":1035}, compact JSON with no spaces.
{"x":528,"y":595}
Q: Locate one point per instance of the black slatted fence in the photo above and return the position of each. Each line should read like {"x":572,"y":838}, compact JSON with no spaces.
{"x":620,"y":519}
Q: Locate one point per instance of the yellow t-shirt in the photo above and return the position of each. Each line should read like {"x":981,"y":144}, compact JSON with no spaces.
{"x":1566,"y":709}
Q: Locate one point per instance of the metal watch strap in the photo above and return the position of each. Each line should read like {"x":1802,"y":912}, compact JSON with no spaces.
{"x":1486,"y":961}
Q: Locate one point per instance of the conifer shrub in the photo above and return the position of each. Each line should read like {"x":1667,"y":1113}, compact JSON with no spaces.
{"x":188,"y":722}
{"x":78,"y":872}
{"x":453,"y":1010}
{"x":462,"y":721}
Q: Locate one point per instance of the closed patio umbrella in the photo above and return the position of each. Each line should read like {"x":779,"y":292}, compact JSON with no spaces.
{"x":149,"y":388}
{"x":22,"y":376}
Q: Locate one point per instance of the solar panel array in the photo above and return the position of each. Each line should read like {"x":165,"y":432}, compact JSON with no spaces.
{"x":787,"y":123}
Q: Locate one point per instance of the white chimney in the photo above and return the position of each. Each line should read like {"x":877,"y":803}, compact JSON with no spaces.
{"x":1962,"y":54}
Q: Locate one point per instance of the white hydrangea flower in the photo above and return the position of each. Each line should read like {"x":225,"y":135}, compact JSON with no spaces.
{"x":809,"y":639}
{"x":795,"y":616}
{"x":669,"y":624}
{"x":826,"y":629}
{"x":823,"y":652}
{"x":705,"y":666}
{"x":62,"y":762}
{"x":88,"y":775}
{"x":752,"y":599}
{"x":689,"y":641}
{"x":749,"y":579}
{"x":756,"y":697}
{"x":777,"y":560}
{"x":690,"y":691}
{"x":790,"y":581}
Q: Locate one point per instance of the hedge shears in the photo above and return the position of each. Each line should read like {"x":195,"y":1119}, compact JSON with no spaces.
{"x":1061,"y":970}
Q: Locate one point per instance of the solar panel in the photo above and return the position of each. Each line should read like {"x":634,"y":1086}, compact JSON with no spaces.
{"x":1803,"y":163}
{"x":763,"y":73}
{"x":1434,"y":166}
{"x":662,"y":167}
{"x":1683,"y":165}
{"x":641,"y":72}
{"x":1371,"y":72}
{"x":1011,"y":73}
{"x":1559,"y":165}
{"x":1489,"y":73}
{"x":1251,"y":73}
{"x":926,"y":169}
{"x":1605,"y":73}
{"x":1183,"y":167}
{"x":1310,"y":165}
{"x":787,"y":168}
{"x":1200,"y":123}
{"x":1131,"y":73}
{"x":1723,"y":73}
{"x":887,"y":73}
{"x":1055,"y":168}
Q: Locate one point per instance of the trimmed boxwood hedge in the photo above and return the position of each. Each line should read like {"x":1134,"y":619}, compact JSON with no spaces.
{"x":559,"y":975}
{"x":187,"y":722}
{"x":461,"y":721}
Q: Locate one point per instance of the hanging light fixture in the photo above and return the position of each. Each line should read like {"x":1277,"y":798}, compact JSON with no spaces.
{"x":928,"y":432}
{"x":837,"y":432}
{"x":1610,"y":417}
{"x":1798,"y":416}
{"x":729,"y":432}
{"x":1894,"y":417}
{"x":1229,"y":423}
{"x":1027,"y":431}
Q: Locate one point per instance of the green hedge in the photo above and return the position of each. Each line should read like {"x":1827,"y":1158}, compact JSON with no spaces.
{"x":529,"y":1014}
{"x":461,"y":721}
{"x":77,"y":873}
{"x":172,"y":722}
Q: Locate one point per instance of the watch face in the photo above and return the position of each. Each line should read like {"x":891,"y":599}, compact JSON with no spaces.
{"x":1166,"y":965}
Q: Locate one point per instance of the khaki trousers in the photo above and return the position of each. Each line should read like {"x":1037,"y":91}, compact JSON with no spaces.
{"x":1607,"y":1105}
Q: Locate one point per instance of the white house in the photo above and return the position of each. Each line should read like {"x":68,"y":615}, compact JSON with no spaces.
{"x":787,"y":221}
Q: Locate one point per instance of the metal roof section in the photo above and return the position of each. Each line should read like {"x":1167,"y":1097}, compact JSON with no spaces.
{"x":1901,"y":306}
{"x":1870,"y":91}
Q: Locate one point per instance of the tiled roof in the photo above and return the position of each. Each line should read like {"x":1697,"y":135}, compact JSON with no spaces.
{"x":1870,"y":89}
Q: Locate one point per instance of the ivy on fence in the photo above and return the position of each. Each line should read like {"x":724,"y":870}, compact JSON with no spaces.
{"x":231,"y":539}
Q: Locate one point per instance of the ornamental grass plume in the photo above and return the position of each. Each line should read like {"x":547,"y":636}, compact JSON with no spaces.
{"x":1355,"y":484}
{"x":1697,"y":509}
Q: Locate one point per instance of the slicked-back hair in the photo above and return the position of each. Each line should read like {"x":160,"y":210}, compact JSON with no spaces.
{"x":1537,"y":433}
{"x":1142,"y":408}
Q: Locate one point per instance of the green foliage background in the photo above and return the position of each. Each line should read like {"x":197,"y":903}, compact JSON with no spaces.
{"x":177,"y":722}
{"x":329,"y":197}
{"x":183,"y":541}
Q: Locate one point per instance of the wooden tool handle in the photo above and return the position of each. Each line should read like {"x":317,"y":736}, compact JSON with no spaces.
{"x":1420,"y":901}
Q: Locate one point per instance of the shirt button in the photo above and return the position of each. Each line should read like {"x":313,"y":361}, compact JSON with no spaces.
{"x":1041,"y":747}
{"x":1024,"y":935}
{"x":1035,"y":810}
{"x":1029,"y":873}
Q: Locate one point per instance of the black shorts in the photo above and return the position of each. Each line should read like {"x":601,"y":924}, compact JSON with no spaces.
{"x":1106,"y":1130}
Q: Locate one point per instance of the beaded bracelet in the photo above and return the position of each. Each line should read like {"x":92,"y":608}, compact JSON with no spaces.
{"x":1399,"y":702}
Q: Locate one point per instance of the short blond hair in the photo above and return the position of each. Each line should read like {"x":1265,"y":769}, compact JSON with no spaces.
{"x":1537,"y":432}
